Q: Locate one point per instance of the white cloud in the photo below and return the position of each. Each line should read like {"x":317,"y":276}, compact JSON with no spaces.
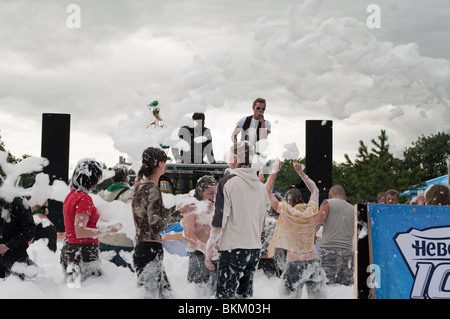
{"x":310,"y":60}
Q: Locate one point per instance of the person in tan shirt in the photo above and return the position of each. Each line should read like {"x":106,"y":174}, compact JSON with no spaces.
{"x":295,"y":232}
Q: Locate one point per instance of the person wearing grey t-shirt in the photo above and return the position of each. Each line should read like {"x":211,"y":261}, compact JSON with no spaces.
{"x":336,"y":247}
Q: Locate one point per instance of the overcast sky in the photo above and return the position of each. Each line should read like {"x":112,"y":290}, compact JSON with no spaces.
{"x":309,"y":59}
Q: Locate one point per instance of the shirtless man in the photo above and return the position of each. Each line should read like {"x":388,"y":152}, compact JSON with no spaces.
{"x":197,"y":227}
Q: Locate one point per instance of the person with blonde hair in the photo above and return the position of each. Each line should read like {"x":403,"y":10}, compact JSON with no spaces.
{"x":254,"y":127}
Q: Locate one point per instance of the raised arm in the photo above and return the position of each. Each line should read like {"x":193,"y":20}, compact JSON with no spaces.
{"x":271,"y":182}
{"x":308,"y":182}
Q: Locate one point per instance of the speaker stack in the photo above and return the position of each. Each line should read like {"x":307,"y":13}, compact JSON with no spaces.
{"x":319,"y":157}
{"x":55,"y":147}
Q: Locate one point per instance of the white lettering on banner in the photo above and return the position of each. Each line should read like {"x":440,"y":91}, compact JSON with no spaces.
{"x":427,"y":255}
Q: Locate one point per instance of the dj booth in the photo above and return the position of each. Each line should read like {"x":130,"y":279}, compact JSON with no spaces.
{"x":177,"y":174}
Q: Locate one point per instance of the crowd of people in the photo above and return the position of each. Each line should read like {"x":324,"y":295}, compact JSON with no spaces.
{"x":235,"y":226}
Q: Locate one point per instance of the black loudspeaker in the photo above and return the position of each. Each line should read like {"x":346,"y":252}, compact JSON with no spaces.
{"x":319,"y":154}
{"x":362,"y":260}
{"x":55,"y":146}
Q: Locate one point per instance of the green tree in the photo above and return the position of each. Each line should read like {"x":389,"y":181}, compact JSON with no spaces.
{"x":428,"y":154}
{"x":373,"y":171}
{"x":287,"y":176}
{"x":11,"y":158}
{"x":27,"y":180}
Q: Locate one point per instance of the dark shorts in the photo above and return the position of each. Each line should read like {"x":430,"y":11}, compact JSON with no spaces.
{"x":148,"y":264}
{"x":116,"y":258}
{"x":83,"y":255}
{"x":338,"y":265}
{"x":10,"y":258}
{"x":197,"y":272}
{"x":235,"y":273}
{"x":302,"y":273}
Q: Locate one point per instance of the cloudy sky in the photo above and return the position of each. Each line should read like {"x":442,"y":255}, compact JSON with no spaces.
{"x":311,"y":60}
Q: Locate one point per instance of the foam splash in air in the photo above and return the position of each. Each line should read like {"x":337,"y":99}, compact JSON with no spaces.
{"x":204,"y":83}
{"x":336,"y":63}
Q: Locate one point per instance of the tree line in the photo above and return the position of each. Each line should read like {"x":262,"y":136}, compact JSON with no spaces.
{"x":375,"y":169}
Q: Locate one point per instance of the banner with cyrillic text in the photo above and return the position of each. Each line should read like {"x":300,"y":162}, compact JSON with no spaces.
{"x":411,"y":251}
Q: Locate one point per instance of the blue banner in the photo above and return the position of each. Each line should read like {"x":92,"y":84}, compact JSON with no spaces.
{"x":411,"y":251}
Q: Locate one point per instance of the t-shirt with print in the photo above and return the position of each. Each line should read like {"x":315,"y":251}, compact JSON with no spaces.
{"x":149,"y":214}
{"x":78,"y":202}
{"x":251,"y":131}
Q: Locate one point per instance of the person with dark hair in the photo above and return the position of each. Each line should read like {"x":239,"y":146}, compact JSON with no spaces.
{"x":196,"y":229}
{"x":293,"y":196}
{"x":196,"y":143}
{"x":79,"y":255}
{"x":118,"y":190}
{"x":240,"y":207}
{"x":17,"y":228}
{"x":436,"y":194}
{"x":295,"y":232}
{"x":150,"y":218}
{"x":199,"y":142}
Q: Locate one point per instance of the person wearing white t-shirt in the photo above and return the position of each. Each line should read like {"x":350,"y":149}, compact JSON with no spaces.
{"x":255,"y":127}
